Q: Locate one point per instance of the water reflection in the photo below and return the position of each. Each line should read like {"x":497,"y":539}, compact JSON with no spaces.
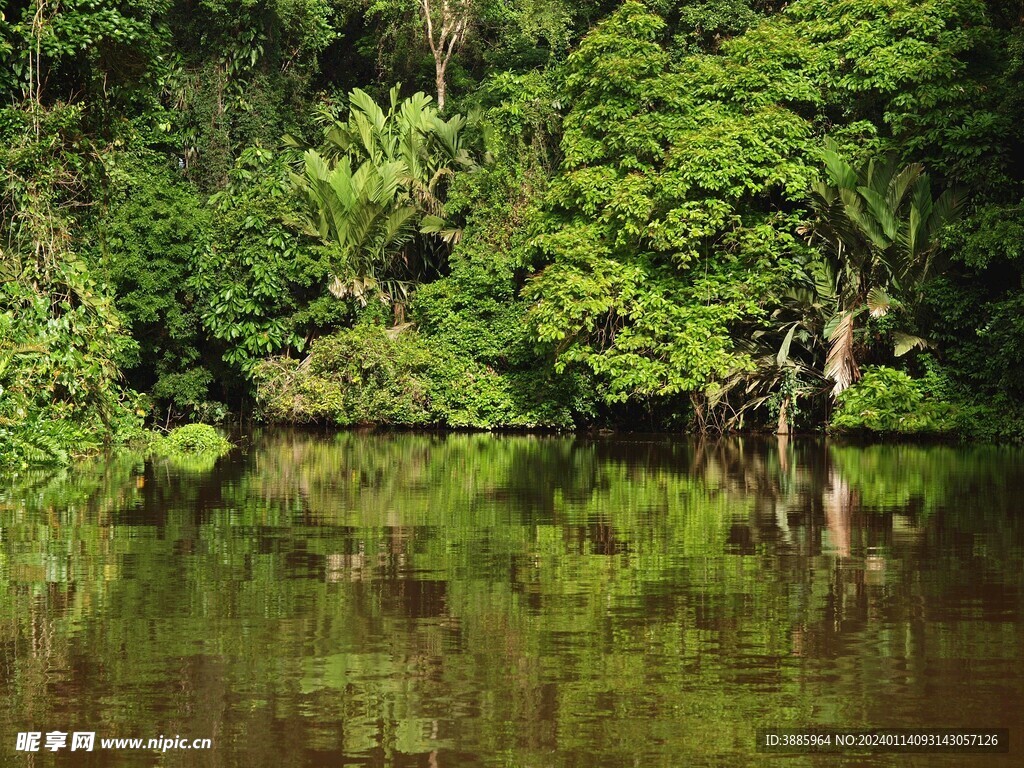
{"x":394,"y":600}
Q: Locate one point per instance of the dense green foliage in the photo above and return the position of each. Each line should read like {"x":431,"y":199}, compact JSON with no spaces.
{"x":367,"y":375}
{"x":382,"y":178}
{"x":704,"y":214}
{"x":191,"y":448}
{"x":196,"y":438}
{"x":890,"y":402}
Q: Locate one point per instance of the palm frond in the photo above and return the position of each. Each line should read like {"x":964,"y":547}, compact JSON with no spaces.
{"x":879,"y":302}
{"x":905,"y":342}
{"x":840,"y":364}
{"x":380,"y":180}
{"x":900,"y":183}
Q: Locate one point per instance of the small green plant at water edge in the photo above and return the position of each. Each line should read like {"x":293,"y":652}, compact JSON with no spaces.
{"x":195,"y":439}
{"x":889,"y":401}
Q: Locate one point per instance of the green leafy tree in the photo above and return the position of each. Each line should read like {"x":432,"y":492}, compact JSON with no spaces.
{"x":150,"y":221}
{"x":435,"y":43}
{"x":61,"y":393}
{"x":102,"y":54}
{"x":259,"y":289}
{"x":238,"y":74}
{"x":659,"y":239}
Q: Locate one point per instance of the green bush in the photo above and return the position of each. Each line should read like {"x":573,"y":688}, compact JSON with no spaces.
{"x":891,"y":402}
{"x":997,"y":420}
{"x":195,"y":439}
{"x":357,"y":376}
{"x":368,"y":375}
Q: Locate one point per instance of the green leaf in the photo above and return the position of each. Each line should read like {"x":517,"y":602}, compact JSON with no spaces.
{"x":904,"y":342}
{"x":783,"y":354}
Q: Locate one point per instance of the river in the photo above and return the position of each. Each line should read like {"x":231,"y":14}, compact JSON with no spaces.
{"x":477,"y":600}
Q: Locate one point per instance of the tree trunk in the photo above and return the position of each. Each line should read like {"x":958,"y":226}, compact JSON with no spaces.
{"x":783,"y":428}
{"x":439,"y":79}
{"x":446,"y":29}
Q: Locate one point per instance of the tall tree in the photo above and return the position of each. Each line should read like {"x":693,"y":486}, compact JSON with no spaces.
{"x":447,"y":25}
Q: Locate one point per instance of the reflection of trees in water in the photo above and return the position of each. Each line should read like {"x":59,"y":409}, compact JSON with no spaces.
{"x":839,"y":502}
{"x":346,"y":594}
{"x":864,"y":537}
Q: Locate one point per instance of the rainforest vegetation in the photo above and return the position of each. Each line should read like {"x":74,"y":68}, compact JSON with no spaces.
{"x":680,"y":214}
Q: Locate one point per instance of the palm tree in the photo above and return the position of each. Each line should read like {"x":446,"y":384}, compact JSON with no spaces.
{"x":782,"y":357}
{"x":366,"y":218}
{"x":877,"y":229}
{"x":381,"y":179}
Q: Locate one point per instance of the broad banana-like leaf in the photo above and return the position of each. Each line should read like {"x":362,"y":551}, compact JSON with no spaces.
{"x":397,"y":229}
{"x":839,"y":170}
{"x":881,"y":212}
{"x":945,"y":209}
{"x":393,"y":96}
{"x":362,"y":102}
{"x":369,"y":137}
{"x":340,"y":137}
{"x":435,"y":225}
{"x":919,"y":239}
{"x":783,"y":354}
{"x":901,"y":183}
{"x":316,"y":168}
{"x":856,"y":212}
{"x":831,"y":324}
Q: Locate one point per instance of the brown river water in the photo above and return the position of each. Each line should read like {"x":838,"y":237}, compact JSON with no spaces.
{"x":516,"y":601}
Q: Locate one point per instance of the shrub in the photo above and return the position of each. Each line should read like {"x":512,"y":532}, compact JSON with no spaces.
{"x":889,"y":401}
{"x":195,"y":439}
{"x":367,"y":375}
